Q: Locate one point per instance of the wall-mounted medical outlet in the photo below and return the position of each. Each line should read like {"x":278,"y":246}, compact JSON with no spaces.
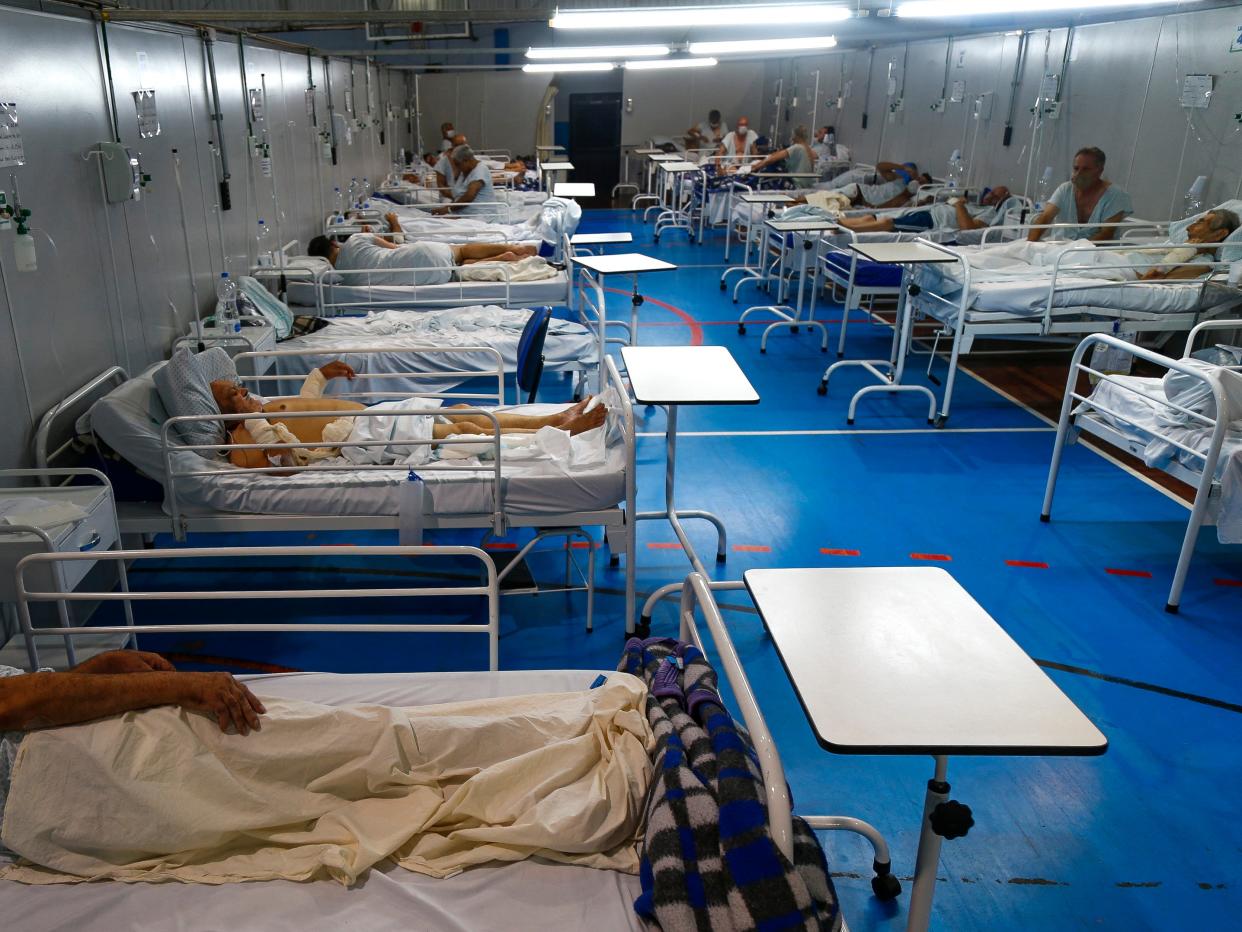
{"x":1053,"y":109}
{"x":121,"y":172}
{"x":938,"y":106}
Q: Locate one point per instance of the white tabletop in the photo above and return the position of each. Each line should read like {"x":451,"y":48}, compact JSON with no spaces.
{"x":687,"y":375}
{"x":901,"y":660}
{"x":557,"y":166}
{"x":598,"y":239}
{"x":574,"y":189}
{"x":665,"y":157}
{"x":909,"y":253}
{"x":765,"y":197}
{"x":646,"y":151}
{"x":802,"y":225}
{"x":666,"y":166}
{"x":623,"y":262}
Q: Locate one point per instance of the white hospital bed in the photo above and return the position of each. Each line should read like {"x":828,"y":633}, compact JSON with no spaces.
{"x":526,"y":896}
{"x":559,"y":496}
{"x":1134,"y":414}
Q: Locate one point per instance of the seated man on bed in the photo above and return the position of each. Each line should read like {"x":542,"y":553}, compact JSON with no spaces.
{"x":1087,"y":198}
{"x":433,"y":262}
{"x":957,"y":214}
{"x":473,"y":190}
{"x":232,"y":398}
{"x":1215,"y":226}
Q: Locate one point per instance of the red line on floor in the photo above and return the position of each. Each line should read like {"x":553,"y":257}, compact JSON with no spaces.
{"x":500,"y":546}
{"x":582,"y":545}
{"x":664,"y":546}
{"x":696,"y":329}
{"x":1141,"y":574}
{"x":751,"y":548}
{"x":1228,"y":582}
{"x":941,"y":557}
{"x":727,"y":323}
{"x":1029,"y":564}
{"x":837,"y":552}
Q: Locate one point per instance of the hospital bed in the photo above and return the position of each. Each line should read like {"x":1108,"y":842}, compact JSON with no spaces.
{"x":525,"y":896}
{"x":557,"y":492}
{"x":1076,"y":294}
{"x":1201,"y":444}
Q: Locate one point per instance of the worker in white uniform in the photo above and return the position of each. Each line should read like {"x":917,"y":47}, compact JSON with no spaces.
{"x":737,"y":145}
{"x":708,"y":134}
{"x":446,"y":136}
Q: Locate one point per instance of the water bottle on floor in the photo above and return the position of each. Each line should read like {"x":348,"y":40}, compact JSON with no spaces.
{"x":413,"y":500}
{"x":226,"y":304}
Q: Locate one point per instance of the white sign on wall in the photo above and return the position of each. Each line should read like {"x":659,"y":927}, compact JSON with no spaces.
{"x":12,"y":152}
{"x":1196,"y":91}
{"x":1237,"y":39}
{"x":959,"y":92}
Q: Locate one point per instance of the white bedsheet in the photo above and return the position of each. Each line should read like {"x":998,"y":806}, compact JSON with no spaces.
{"x":451,"y":294}
{"x":526,"y":897}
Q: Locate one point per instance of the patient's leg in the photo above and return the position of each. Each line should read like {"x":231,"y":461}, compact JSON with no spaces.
{"x":574,"y":419}
{"x":868,"y":223}
{"x":466,"y":253}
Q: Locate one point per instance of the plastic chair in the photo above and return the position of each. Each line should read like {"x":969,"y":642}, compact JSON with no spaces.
{"x":530,"y":352}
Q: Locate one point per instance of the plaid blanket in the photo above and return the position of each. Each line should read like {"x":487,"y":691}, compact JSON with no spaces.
{"x":708,"y":858}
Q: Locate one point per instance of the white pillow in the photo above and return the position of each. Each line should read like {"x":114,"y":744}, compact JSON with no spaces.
{"x":315,"y":265}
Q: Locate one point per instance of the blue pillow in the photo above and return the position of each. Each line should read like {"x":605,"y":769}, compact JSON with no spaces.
{"x":185,"y":391}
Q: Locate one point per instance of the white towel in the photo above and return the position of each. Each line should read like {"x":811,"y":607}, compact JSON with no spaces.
{"x":39,"y":512}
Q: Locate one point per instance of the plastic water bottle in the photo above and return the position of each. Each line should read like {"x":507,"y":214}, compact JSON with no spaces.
{"x":1193,"y":202}
{"x":353,"y":192}
{"x":226,"y":304}
{"x":366,"y":193}
{"x":955,"y":174}
{"x":1043,"y":189}
{"x":413,"y":499}
{"x":263,"y":245}
{"x":339,"y":216}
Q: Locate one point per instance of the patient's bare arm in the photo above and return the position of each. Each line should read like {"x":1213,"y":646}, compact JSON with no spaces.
{"x":47,"y":700}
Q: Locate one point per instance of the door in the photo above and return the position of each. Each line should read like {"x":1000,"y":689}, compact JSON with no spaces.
{"x":595,"y":143}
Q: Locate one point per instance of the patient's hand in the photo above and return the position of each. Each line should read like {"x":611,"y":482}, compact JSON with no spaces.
{"x":125,"y":661}
{"x":222,"y":697}
{"x":338,"y":370}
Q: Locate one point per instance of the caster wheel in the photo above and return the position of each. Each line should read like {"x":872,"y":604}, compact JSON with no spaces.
{"x":822,"y":389}
{"x":885,"y":887}
{"x":763,"y":350}
{"x":720,"y":558}
{"x":840,"y":355}
{"x":614,"y":561}
{"x":741,"y":328}
{"x":793,"y":329}
{"x":735,"y":300}
{"x":849,"y":421}
{"x":657,"y":241}
{"x":643,"y":628}
{"x":722,"y":286}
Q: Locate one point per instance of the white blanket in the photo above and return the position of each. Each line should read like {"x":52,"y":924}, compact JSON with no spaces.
{"x":530,"y":269}
{"x":330,"y":792}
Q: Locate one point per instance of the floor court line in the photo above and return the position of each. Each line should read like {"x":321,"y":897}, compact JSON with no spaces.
{"x":833,"y":432}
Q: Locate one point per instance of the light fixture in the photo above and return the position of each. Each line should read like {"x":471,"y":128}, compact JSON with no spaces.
{"x":601,"y":51}
{"x":934,"y":9}
{"x":671,"y":16}
{"x":762,"y":45}
{"x":544,"y":67}
{"x":651,"y":64}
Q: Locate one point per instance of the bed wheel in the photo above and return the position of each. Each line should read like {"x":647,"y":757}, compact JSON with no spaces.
{"x":643,"y":628}
{"x":723,"y":286}
{"x":763,"y":350}
{"x":849,"y":421}
{"x":720,"y":557}
{"x":840,"y":355}
{"x":793,"y":329}
{"x":741,"y":328}
{"x":885,"y":886}
{"x":1170,"y":608}
{"x":1045,"y":518}
{"x":614,"y":561}
{"x":822,"y":388}
{"x":657,"y":240}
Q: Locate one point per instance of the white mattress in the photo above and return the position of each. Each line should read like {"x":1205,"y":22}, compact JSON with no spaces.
{"x":525,"y":896}
{"x":553,"y":290}
{"x":569,"y":346}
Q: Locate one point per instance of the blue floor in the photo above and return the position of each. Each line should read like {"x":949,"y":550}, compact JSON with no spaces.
{"x":1147,"y":836}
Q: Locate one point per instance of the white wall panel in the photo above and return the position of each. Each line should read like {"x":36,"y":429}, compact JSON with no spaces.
{"x":666,"y":103}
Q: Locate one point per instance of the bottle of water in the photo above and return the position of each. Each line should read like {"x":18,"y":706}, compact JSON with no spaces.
{"x":1043,"y":189}
{"x":226,"y":304}
{"x":353,"y":192}
{"x":339,"y":216}
{"x":413,"y":500}
{"x":366,"y":193}
{"x":955,"y":174}
{"x":263,"y":245}
{"x":1193,"y":203}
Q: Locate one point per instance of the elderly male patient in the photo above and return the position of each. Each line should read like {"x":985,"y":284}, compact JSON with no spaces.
{"x":388,"y":263}
{"x":1215,"y":226}
{"x":232,"y":398}
{"x":1087,"y":199}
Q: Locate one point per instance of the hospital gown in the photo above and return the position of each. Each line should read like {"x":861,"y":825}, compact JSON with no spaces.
{"x":486,"y":196}
{"x":434,"y":262}
{"x":1112,"y":202}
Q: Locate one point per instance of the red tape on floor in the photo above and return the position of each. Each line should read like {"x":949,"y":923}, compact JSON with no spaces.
{"x":582,"y":545}
{"x":664,"y":546}
{"x":1229,"y":582}
{"x":1029,"y":564}
{"x":696,"y":331}
{"x":500,"y":546}
{"x":940,"y":557}
{"x":837,"y":552}
{"x":751,"y":548}
{"x":1141,"y":574}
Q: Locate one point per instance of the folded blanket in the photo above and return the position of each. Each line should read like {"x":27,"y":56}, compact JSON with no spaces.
{"x":163,"y":794}
{"x":530,"y":269}
{"x":709,"y":861}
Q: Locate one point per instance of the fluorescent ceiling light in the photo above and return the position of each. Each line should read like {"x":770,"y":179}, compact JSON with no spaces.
{"x":933,"y":9}
{"x":601,"y":51}
{"x":652,"y":64}
{"x":658,"y":17}
{"x":569,"y":66}
{"x":762,"y":45}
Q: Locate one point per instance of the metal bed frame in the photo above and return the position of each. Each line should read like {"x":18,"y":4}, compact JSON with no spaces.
{"x":147,"y":519}
{"x":1200,"y":474}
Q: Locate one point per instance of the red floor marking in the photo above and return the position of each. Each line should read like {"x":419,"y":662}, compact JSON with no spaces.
{"x":1141,"y":574}
{"x":582,"y":545}
{"x":500,"y":546}
{"x":751,"y":548}
{"x":662,"y":546}
{"x":836,"y":552}
{"x":1228,"y":582}
{"x":1029,"y":564}
{"x":696,"y":329}
{"x":724,"y":323}
{"x":942,"y":557}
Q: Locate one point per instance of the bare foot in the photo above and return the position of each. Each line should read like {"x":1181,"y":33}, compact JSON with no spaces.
{"x":526,"y":250}
{"x":577,"y":420}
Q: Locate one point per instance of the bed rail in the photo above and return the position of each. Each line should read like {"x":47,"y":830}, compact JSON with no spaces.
{"x":51,"y":439}
{"x":128,"y":596}
{"x":1204,"y":473}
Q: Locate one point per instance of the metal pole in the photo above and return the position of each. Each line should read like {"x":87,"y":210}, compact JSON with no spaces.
{"x":226,"y":198}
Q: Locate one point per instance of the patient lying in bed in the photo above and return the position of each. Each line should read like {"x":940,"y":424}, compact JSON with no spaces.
{"x":390,"y":264}
{"x":412,"y":421}
{"x":164,"y":794}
